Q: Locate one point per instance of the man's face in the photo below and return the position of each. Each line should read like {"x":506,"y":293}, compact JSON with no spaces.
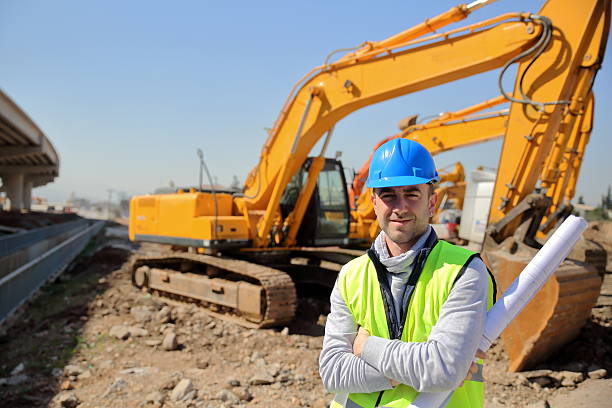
{"x":403,"y":212}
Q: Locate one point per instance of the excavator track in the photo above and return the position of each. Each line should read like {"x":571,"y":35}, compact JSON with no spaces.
{"x":269,"y":294}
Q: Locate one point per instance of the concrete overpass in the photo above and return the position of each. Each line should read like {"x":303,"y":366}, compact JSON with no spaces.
{"x":27,"y":157}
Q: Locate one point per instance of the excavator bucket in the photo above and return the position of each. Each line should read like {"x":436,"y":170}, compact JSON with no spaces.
{"x":554,"y":316}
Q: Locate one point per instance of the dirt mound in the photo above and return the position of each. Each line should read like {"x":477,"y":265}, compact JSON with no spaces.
{"x":600,"y":232}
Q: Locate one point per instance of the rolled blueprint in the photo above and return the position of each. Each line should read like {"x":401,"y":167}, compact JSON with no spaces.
{"x":522,"y":290}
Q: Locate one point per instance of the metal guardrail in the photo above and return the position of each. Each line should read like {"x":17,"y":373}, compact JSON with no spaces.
{"x":18,"y":286}
{"x":16,"y":242}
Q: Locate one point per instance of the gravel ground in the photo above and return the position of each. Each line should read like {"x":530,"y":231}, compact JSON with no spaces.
{"x":90,"y":339}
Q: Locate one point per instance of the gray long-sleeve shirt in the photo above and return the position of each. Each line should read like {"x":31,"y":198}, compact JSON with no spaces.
{"x":438,"y":364}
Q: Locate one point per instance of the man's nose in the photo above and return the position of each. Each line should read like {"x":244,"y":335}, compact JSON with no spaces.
{"x":401,"y":205}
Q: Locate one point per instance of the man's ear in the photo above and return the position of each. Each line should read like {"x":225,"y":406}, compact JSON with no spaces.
{"x":433,"y":199}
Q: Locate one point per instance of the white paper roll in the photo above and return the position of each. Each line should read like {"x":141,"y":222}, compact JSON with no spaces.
{"x":532,"y":278}
{"x":522,"y":290}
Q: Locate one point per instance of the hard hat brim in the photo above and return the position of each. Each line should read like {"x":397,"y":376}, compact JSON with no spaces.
{"x":399,"y":181}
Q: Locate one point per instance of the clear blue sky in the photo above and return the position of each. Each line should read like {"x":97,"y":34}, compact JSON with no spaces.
{"x":128,"y":90}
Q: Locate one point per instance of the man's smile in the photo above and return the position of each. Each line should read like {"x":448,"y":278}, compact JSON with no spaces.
{"x":401,"y":221}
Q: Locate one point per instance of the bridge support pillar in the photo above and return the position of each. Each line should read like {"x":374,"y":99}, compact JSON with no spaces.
{"x":27,"y":194}
{"x":14,"y":184}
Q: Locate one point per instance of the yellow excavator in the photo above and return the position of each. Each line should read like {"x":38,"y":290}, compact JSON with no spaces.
{"x":242,"y":264}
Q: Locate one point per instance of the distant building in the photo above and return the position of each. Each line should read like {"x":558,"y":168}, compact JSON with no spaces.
{"x":582,"y":209}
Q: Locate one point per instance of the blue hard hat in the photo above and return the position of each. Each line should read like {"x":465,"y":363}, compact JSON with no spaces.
{"x":401,"y":162}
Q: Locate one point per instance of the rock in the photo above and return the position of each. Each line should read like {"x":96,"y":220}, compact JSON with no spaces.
{"x":66,"y":385}
{"x":153,"y":342}
{"x":18,"y":369}
{"x":498,"y":401}
{"x":227,"y":395}
{"x":201,"y":363}
{"x":184,"y":387}
{"x":597,"y":374}
{"x":190,"y":395}
{"x":273,"y":369}
{"x":138,"y":332}
{"x":284,"y":377}
{"x":135,"y":370}
{"x":261,"y":378}
{"x":260,"y":362}
{"x":170,"y":384}
{"x":537,"y":373}
{"x":521,"y":380}
{"x":154,"y":397}
{"x":256,"y":355}
{"x":117,"y":385}
{"x":568,"y":378}
{"x":233,"y":383}
{"x":245,"y":396}
{"x":169,"y":342}
{"x":119,"y":332}
{"x":539,"y":404}
{"x":164,"y":315}
{"x":142,"y":314}
{"x":543,"y":381}
{"x":84,"y":375}
{"x":73,"y":369}
{"x":285,"y":331}
{"x":68,"y":400}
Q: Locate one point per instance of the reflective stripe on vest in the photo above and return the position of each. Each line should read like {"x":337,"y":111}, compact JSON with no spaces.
{"x":359,"y":286}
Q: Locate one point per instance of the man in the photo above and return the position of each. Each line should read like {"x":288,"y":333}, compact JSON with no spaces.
{"x":406,"y":317}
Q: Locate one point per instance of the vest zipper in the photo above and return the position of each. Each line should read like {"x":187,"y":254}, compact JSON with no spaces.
{"x":380,"y":394}
{"x":397,"y":328}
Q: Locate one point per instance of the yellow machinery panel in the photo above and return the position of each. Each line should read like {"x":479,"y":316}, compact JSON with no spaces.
{"x":186,"y":215}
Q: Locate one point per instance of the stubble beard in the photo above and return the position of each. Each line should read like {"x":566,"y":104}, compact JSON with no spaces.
{"x":403,"y":237}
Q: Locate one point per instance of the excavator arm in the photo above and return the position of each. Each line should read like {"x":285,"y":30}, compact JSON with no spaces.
{"x":335,"y":90}
{"x":563,"y":189}
{"x":549,"y":124}
{"x":555,"y":89}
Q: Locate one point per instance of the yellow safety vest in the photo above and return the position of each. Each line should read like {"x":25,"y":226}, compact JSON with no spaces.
{"x":359,"y":284}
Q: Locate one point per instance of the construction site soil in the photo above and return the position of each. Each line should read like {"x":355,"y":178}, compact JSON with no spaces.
{"x":90,"y":339}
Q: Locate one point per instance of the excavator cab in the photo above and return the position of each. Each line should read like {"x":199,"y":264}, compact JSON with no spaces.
{"x":327,"y":218}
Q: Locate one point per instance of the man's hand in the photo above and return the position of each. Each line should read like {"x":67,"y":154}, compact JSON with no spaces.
{"x":474,"y":366}
{"x":362,"y":336}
